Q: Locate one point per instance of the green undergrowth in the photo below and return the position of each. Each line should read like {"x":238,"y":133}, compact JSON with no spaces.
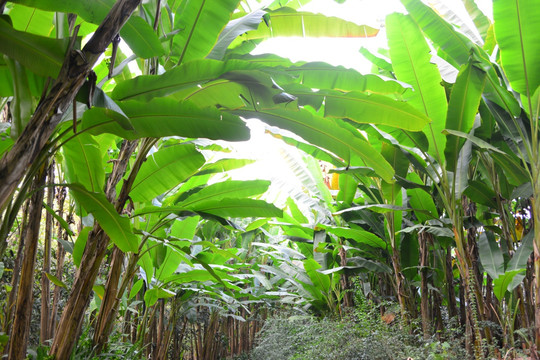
{"x":305,"y":339}
{"x":360,"y":334}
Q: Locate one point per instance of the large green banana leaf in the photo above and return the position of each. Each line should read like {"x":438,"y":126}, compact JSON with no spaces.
{"x":42,"y":55}
{"x":166,"y":117}
{"x":504,"y":282}
{"x":516,"y":30}
{"x":188,"y":75}
{"x":184,"y":229}
{"x":234,"y":207}
{"x":490,"y":254}
{"x":358,"y":236}
{"x":457,"y":48}
{"x":421,"y":201}
{"x":225,"y":189}
{"x":443,"y":34}
{"x":520,"y":258}
{"x":462,"y":109}
{"x":480,"y":20}
{"x":411,"y":61}
{"x":374,"y":109}
{"x":377,"y":60}
{"x":320,"y":75}
{"x":84,"y":162}
{"x":164,"y":170}
{"x":33,"y":21}
{"x":117,"y":227}
{"x":289,"y":22}
{"x":327,"y":134}
{"x":201,"y":22}
{"x":320,"y":281}
{"x":138,"y":34}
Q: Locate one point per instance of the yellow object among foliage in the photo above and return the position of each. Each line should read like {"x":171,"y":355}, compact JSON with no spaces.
{"x":334,"y":181}
{"x":519,"y":229}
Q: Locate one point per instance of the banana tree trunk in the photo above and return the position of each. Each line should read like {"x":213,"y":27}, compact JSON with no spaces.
{"x":16,"y":274}
{"x":401,"y":288}
{"x":472,"y":246}
{"x":344,"y":280}
{"x":113,"y":294}
{"x":437,"y":314}
{"x":451,"y":293}
{"x":424,"y":291}
{"x":160,"y":329}
{"x":473,"y":294}
{"x":102,"y":332}
{"x":467,"y":258}
{"x":23,"y":311}
{"x":60,"y":254}
{"x":490,"y":306}
{"x":528,"y":287}
{"x":536,"y":216}
{"x":72,"y":316}
{"x":45,"y":285}
{"x":94,"y":252}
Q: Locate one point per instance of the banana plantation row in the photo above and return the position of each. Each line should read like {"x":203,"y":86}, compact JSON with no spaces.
{"x":113,"y":164}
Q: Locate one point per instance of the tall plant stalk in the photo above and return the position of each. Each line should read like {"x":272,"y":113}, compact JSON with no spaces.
{"x":45,"y":284}
{"x":23,"y":308}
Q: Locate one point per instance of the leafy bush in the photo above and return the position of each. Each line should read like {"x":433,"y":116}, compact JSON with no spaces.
{"x":118,"y":349}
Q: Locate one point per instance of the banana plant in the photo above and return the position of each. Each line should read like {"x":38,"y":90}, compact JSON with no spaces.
{"x":477,"y":107}
{"x":517,"y":54}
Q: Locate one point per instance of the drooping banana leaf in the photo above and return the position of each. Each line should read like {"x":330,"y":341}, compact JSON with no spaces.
{"x":117,"y":227}
{"x":421,"y":201}
{"x":378,"y":61}
{"x":289,"y":22}
{"x":234,"y":207}
{"x":481,"y":21}
{"x":327,"y":134}
{"x":360,"y":237}
{"x":233,"y":29}
{"x":184,"y":229}
{"x":374,"y":109}
{"x":520,"y":259}
{"x":320,"y":75}
{"x":188,"y":75}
